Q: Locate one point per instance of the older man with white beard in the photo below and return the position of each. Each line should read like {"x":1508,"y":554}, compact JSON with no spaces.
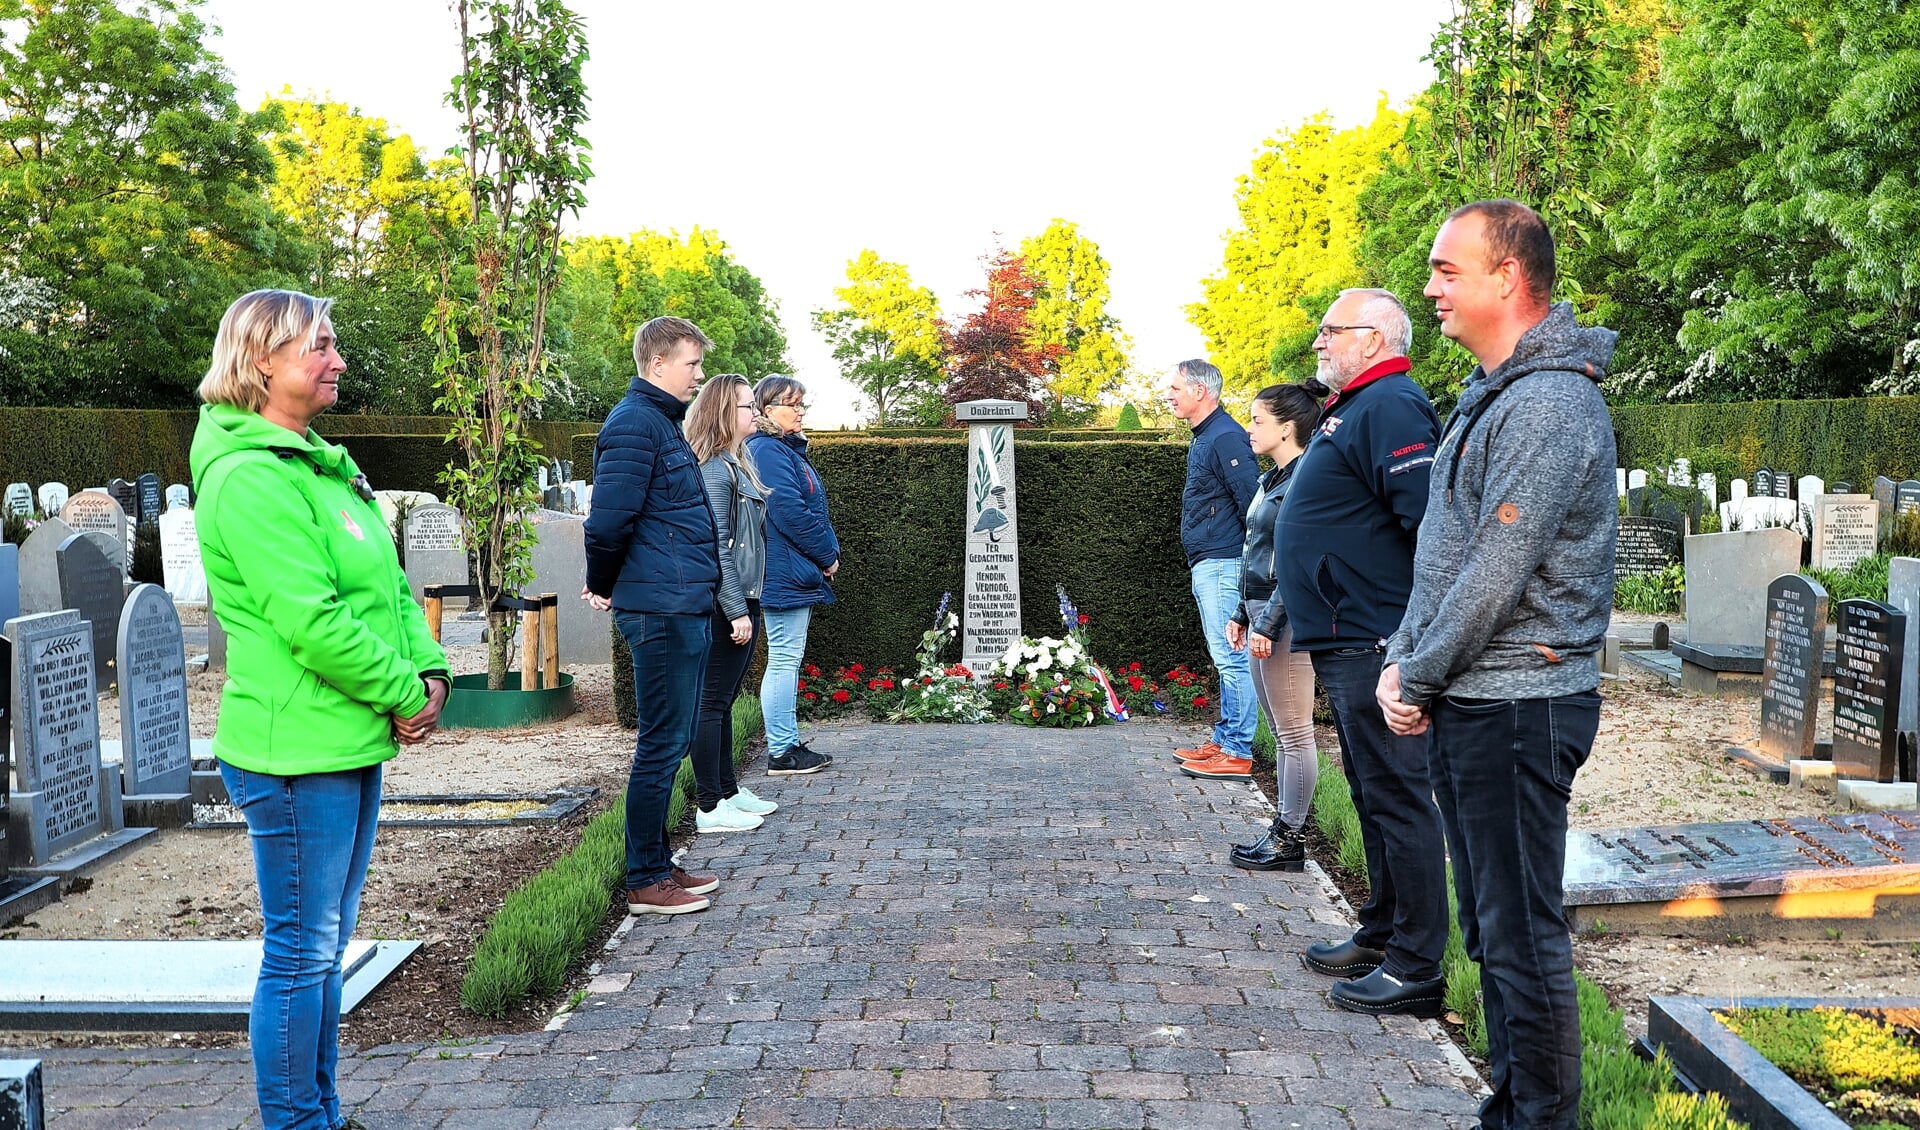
{"x":1344,"y":567}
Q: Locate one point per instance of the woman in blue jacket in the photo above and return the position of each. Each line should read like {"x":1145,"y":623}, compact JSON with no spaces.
{"x":802,"y":557}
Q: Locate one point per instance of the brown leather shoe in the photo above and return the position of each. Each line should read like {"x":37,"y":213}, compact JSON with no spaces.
{"x":695,"y":884}
{"x":1205,"y":751}
{"x":1220,"y":769}
{"x":665,"y":897}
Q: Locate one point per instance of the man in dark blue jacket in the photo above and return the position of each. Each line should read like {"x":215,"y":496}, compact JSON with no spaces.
{"x":1221,"y":481}
{"x":1344,"y":565}
{"x":653,"y":557}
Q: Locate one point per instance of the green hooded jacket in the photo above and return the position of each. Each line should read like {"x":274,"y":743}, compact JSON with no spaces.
{"x":324,"y":643}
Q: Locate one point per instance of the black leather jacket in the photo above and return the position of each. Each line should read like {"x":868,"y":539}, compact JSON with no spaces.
{"x":1257,"y":556}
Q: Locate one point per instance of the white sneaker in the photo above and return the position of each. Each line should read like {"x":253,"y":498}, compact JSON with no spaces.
{"x":744,"y":801}
{"x":724,"y":818}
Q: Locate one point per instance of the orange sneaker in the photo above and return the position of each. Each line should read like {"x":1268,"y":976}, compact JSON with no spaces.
{"x":1221,"y":768}
{"x":1205,"y":751}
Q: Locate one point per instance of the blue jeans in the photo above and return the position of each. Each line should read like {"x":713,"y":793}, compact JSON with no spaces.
{"x":786,"y":644}
{"x":1216,"y":589}
{"x":1406,"y":909}
{"x":1502,"y":771}
{"x":312,"y":838}
{"x":669,"y":666}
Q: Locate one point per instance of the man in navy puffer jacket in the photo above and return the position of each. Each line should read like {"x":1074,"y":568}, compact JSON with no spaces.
{"x":653,"y":557}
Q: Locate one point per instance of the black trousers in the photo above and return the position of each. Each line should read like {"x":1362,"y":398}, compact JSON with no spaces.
{"x":727,"y":662}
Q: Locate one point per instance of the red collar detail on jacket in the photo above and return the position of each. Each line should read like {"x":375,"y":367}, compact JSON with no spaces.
{"x":1385,"y":368}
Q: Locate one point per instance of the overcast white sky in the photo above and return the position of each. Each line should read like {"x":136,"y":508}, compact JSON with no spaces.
{"x":803,"y":132}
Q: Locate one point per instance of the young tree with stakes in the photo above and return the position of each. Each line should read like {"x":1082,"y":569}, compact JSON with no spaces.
{"x":522,"y":102}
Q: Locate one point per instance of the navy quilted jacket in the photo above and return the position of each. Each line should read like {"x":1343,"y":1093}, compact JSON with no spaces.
{"x":651,"y":544}
{"x":801,"y":544}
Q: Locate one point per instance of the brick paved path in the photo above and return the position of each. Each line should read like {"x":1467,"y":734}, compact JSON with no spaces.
{"x":954,"y":926}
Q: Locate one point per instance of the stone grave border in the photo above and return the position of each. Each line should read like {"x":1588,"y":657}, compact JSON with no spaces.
{"x":1709,"y":1056}
{"x":560,"y":804}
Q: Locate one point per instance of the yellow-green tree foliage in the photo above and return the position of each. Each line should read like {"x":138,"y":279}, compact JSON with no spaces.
{"x":888,"y":340}
{"x":1070,"y":310}
{"x":1299,"y":232}
{"x":882,"y":295}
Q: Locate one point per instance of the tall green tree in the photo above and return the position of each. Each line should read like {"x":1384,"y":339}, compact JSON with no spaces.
{"x":523,"y":104}
{"x":1296,"y":246}
{"x":887,"y":338}
{"x":373,"y":214}
{"x":1781,"y":199}
{"x":609,"y":285}
{"x":132,"y":188}
{"x":1070,"y":311}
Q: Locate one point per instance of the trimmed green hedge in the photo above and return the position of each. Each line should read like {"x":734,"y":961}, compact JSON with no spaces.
{"x":1102,"y":519}
{"x":1851,"y":440}
{"x":402,"y":462}
{"x":84,"y":447}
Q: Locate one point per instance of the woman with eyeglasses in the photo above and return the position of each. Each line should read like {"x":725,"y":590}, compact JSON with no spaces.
{"x":717,"y":425}
{"x":802,"y":556}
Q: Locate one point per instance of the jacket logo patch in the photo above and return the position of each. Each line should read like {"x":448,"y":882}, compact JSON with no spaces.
{"x":351,"y":526}
{"x":1409,"y":450}
{"x":1508,"y":513}
{"x":1329,"y":425}
{"x":1233,"y":462}
{"x":1417,"y":461}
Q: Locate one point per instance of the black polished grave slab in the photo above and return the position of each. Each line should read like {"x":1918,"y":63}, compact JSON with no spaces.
{"x":1906,"y":497}
{"x":147,"y":491}
{"x":1850,"y":867}
{"x":1871,"y":641}
{"x":1645,"y":545}
{"x":1737,"y":658}
{"x":1763,"y":483}
{"x":1790,"y":671}
{"x":1712,"y":1058}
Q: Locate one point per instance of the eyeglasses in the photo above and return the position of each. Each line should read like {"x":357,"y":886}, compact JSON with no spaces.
{"x":747,"y":407}
{"x":1330,"y":331}
{"x":796,"y":405}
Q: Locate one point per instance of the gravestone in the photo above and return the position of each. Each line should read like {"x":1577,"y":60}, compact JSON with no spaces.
{"x":1645,"y":545}
{"x":546,"y":476}
{"x":1782,"y":485}
{"x":9,"y":589}
{"x":180,"y":563}
{"x":1809,"y":487}
{"x":19,"y":500}
{"x":53,"y":496}
{"x":91,"y":585}
{"x":1903,"y":592}
{"x":1763,"y":483}
{"x":992,"y":533}
{"x":93,"y":510}
{"x":1790,"y":673}
{"x":63,"y":798}
{"x":1727,"y":577}
{"x":1636,"y":478}
{"x":1883,"y":491}
{"x":1679,"y":473}
{"x":1841,"y":487}
{"x":1709,"y":486}
{"x":1620,"y":481}
{"x":147,"y":487}
{"x":39,"y":567}
{"x":1736,"y":489}
{"x":1846,"y":528}
{"x":1906,"y":497}
{"x":156,"y":761}
{"x":436,"y":544}
{"x":1869,"y":652}
{"x":127,"y":495}
{"x":179,"y":497}
{"x":560,"y":566}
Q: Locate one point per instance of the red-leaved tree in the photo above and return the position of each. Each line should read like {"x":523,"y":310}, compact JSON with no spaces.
{"x":991,"y":356}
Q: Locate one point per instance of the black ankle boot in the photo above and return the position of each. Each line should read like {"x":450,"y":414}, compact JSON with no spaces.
{"x":1283,"y":848}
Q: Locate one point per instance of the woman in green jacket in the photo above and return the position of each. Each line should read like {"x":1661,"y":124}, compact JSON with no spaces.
{"x":330,"y":669}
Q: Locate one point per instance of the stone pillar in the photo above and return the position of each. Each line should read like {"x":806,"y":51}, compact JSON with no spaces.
{"x":991,"y":620}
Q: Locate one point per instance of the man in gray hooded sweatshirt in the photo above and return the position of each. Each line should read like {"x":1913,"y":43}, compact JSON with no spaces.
{"x":1512,"y":590}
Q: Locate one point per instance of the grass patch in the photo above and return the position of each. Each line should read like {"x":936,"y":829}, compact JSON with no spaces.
{"x":1619,"y":1090}
{"x":1263,"y":745}
{"x":545,"y":924}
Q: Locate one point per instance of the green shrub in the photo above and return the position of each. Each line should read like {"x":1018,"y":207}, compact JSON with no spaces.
{"x":1865,"y":580}
{"x":546,"y":924}
{"x":1902,"y":537}
{"x":1101,"y":518}
{"x":402,"y":462}
{"x":1653,"y":593}
{"x":85,"y":447}
{"x":1129,"y":420}
{"x":1851,"y":440}
{"x":144,"y":566}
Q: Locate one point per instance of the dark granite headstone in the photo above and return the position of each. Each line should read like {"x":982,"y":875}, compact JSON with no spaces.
{"x":1645,"y":545}
{"x":1841,"y":487}
{"x":127,"y":495}
{"x":60,"y":802}
{"x":1790,"y":671}
{"x":1906,"y":497}
{"x":91,"y":585}
{"x":1870,"y":646}
{"x":154,"y":752}
{"x":147,"y":487}
{"x":1763,"y":483}
{"x":1782,"y":485}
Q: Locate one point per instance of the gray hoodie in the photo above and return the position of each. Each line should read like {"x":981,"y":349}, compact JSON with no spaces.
{"x":1513,"y":574}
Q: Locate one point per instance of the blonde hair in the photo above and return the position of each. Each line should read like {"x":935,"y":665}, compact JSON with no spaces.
{"x":258,"y":323}
{"x":710,"y":428}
